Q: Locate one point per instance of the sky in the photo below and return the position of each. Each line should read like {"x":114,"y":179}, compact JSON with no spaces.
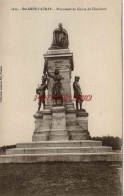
{"x":94,"y":40}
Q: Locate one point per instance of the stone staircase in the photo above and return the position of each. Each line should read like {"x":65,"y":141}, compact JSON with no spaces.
{"x":61,"y":151}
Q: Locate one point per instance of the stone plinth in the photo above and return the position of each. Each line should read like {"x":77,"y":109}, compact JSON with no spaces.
{"x":61,"y":157}
{"x":59,"y":150}
{"x":42,"y":126}
{"x":64,"y":151}
{"x":69,"y":143}
{"x":82,"y":120}
{"x":58,"y":125}
{"x":76,"y":127}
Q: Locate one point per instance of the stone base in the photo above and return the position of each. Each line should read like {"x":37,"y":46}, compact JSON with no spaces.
{"x":58,"y":137}
{"x":70,"y":143}
{"x":42,"y":126}
{"x":58,"y":129}
{"x":78,"y":135}
{"x":40,"y":137}
{"x":61,"y":151}
{"x":77,"y":124}
{"x":61,"y":123}
{"x":66,"y":157}
{"x":45,"y":150}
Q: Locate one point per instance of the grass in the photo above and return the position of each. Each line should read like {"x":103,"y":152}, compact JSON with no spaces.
{"x":61,"y":179}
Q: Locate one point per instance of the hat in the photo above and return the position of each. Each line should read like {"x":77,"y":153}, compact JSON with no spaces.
{"x":44,"y":77}
{"x":77,"y":77}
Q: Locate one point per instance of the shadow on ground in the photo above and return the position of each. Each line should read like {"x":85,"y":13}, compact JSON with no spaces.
{"x":61,"y":179}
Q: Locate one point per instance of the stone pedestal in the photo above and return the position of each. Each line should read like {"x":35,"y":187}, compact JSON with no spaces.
{"x":42,"y":126}
{"x":58,"y":125}
{"x":82,"y":119}
{"x":76,"y":127}
{"x":62,"y":60}
{"x":60,"y":122}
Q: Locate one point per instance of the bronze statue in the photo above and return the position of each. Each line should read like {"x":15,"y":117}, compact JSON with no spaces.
{"x":41,"y":92}
{"x":57,"y":86}
{"x":77,"y":92}
{"x":60,"y":38}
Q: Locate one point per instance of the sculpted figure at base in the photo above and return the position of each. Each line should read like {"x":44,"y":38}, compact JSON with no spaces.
{"x":60,"y":38}
{"x":77,"y":92}
{"x":57,"y":86}
{"x":41,"y":92}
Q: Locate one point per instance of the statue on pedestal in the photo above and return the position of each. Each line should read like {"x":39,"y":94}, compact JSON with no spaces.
{"x":41,"y":92}
{"x":57,"y":86}
{"x":77,"y":92}
{"x":60,"y":38}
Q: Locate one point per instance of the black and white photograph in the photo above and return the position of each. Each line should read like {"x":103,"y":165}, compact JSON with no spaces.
{"x":61,"y":98}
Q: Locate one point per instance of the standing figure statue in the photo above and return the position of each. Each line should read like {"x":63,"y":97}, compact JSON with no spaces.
{"x":60,"y":38}
{"x":57,"y":86}
{"x":41,"y":92}
{"x":77,"y":92}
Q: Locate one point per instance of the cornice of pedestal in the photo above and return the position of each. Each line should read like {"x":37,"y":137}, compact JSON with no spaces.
{"x":82,"y":113}
{"x":59,"y":52}
{"x":72,"y":111}
{"x":46,"y":111}
{"x":38,"y":115}
{"x":58,"y":109}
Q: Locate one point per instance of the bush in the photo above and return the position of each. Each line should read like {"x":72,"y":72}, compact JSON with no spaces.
{"x":3,"y":148}
{"x":114,"y":142}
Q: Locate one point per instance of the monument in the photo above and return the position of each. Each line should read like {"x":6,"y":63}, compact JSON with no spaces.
{"x":61,"y":130}
{"x":62,"y":121}
{"x":77,"y":92}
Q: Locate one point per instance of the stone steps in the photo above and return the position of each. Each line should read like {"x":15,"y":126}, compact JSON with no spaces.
{"x":45,"y":150}
{"x":69,"y":143}
{"x":63,"y":151}
{"x":61,"y":157}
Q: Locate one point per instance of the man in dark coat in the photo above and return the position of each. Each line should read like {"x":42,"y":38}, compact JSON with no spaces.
{"x":41,"y":92}
{"x":77,"y":92}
